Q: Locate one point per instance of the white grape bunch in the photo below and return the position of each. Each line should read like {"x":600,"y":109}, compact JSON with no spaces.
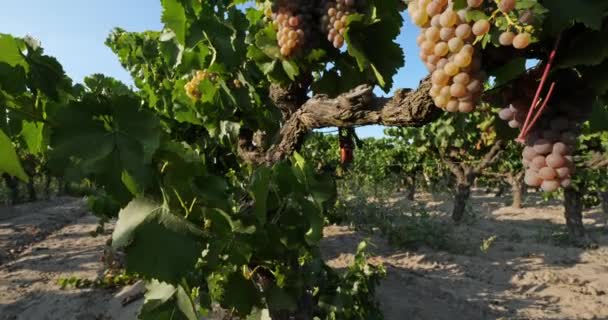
{"x":449,"y":50}
{"x":192,"y":87}
{"x":446,"y":46}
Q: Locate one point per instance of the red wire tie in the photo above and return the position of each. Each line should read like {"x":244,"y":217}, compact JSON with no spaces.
{"x":529,"y":124}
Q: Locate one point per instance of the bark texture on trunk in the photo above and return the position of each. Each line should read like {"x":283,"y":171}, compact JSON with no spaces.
{"x":13,"y":185}
{"x":517,"y":188}
{"x":462,"y":195}
{"x":466,"y":174}
{"x":354,"y":108}
{"x":410,"y":187}
{"x":573,"y":205}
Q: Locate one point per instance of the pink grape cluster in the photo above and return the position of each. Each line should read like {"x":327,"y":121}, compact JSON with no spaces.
{"x":515,"y":114}
{"x":547,"y":155}
{"x":446,"y":46}
{"x":295,"y":22}
{"x":334,"y":19}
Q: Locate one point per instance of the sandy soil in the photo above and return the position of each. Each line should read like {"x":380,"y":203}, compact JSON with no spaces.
{"x":50,"y":241}
{"x":526,"y":273}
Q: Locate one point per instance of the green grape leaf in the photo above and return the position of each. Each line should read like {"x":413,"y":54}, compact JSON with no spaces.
{"x":9,"y":162}
{"x":174,"y":17}
{"x":595,"y":52}
{"x":125,"y":138}
{"x":158,"y":244}
{"x":315,"y":219}
{"x":509,"y":71}
{"x":185,"y":304}
{"x":33,"y":135}
{"x":563,"y":15}
{"x":373,"y":46}
{"x":164,"y":301}
{"x":597,"y":77}
{"x":240,"y":294}
{"x":279,"y":299}
{"x":260,"y":186}
{"x":291,"y":69}
{"x":598,"y":120}
{"x":10,"y":52}
{"x":46,"y":75}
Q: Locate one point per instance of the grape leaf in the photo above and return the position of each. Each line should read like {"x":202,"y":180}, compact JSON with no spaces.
{"x":10,"y":52}
{"x":125,"y":138}
{"x":9,"y":162}
{"x":260,"y":185}
{"x":164,"y":301}
{"x":595,"y":49}
{"x":174,"y":17}
{"x":240,"y":293}
{"x":158,"y":244}
{"x":509,"y":71}
{"x":372,"y":43}
{"x":563,"y":15}
{"x":598,"y":120}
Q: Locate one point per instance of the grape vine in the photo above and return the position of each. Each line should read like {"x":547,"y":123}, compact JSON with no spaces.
{"x":215,"y":207}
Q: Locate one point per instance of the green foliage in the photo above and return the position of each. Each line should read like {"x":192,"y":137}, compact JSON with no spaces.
{"x":109,"y":280}
{"x":9,"y":163}
{"x":354,"y":290}
{"x":593,"y":148}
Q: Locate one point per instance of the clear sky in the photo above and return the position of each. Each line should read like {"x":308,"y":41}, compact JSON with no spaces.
{"x":74,"y":32}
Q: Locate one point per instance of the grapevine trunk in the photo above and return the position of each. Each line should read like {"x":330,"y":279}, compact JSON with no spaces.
{"x":573,"y":205}
{"x":463,"y":193}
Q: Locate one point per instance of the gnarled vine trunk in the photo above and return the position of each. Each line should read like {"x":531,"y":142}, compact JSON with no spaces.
{"x":573,"y":205}
{"x":465,"y":178}
{"x":410,"y":186}
{"x":517,"y":189}
{"x":462,"y":195}
{"x":13,"y":185}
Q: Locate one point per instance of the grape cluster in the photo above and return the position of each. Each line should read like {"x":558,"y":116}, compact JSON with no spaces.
{"x":334,"y":19}
{"x":515,"y":114}
{"x":192,"y":87}
{"x":507,"y":38}
{"x":446,"y":47}
{"x":547,"y":155}
{"x":295,"y":22}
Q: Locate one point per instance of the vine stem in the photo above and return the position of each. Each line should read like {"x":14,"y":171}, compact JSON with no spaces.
{"x":528,"y":124}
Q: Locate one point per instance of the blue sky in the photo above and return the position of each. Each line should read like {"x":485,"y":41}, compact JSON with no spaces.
{"x":74,"y":31}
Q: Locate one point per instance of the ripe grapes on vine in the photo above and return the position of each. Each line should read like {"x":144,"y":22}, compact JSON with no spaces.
{"x":200,"y":164}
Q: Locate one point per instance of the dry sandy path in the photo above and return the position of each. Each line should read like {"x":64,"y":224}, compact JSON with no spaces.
{"x":524,"y":274}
